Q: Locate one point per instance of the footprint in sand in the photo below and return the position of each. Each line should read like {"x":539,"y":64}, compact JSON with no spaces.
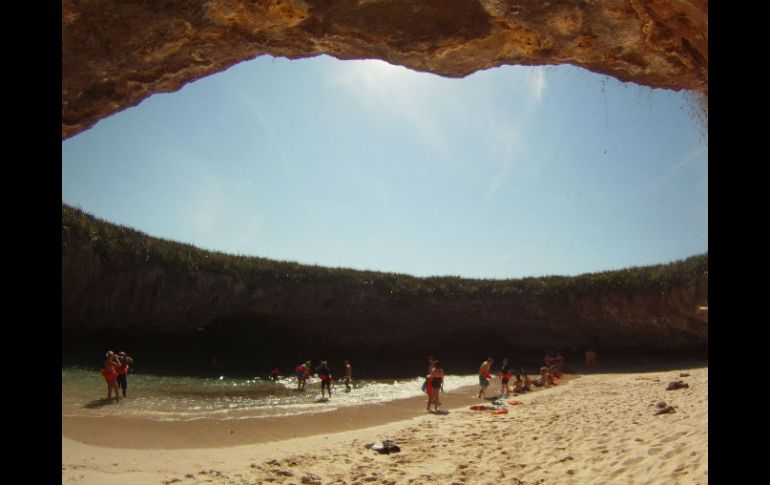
{"x":632,"y":461}
{"x":671,"y":453}
{"x":654,"y":450}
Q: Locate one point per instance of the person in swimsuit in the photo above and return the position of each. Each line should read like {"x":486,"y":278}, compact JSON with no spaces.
{"x":436,"y":385}
{"x":527,"y":382}
{"x":505,"y":376}
{"x":485,"y":375}
{"x":348,"y":375}
{"x":431,"y":360}
{"x":518,"y":385}
{"x":546,"y":379}
{"x":326,"y":378}
{"x":122,"y":379}
{"x":110,"y":373}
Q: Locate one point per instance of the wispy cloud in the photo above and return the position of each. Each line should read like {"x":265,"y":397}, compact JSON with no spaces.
{"x":505,"y":149}
{"x":530,"y":245}
{"x":690,"y":160}
{"x":394,"y":91}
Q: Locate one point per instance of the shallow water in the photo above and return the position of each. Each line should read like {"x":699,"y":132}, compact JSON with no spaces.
{"x":175,"y":398}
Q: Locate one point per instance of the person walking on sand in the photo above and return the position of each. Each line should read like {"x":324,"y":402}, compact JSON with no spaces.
{"x":485,"y":375}
{"x":436,"y":378}
{"x":110,"y":373}
{"x":505,"y":376}
{"x":431,"y":360}
{"x":348,"y":375}
{"x":122,"y":379}
{"x":326,"y":378}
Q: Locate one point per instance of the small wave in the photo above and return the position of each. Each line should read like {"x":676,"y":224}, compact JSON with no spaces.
{"x":170,"y":398}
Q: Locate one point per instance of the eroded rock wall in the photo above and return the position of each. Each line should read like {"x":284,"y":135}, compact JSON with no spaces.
{"x":269,"y":313}
{"x":116,"y":53}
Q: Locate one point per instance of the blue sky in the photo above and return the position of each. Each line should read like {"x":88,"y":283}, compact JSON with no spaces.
{"x":510,"y":172}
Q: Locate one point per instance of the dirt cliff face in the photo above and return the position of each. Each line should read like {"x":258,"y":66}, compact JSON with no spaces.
{"x":267,"y":315}
{"x":114,"y":54}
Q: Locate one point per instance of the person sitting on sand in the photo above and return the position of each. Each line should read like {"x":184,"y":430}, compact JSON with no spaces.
{"x":122,"y":379}
{"x":326,"y":378}
{"x":505,"y":375}
{"x":545,"y":377}
{"x":436,"y":385}
{"x":527,"y":382}
{"x":348,"y":375}
{"x":110,"y":373}
{"x":485,"y":375}
{"x":518,"y":385}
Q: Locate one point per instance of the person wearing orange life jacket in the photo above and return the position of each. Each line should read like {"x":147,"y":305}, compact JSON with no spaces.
{"x":326,"y":378}
{"x":300,"y":370}
{"x":110,"y":373}
{"x":485,"y":375}
{"x":275,"y":374}
{"x":122,"y":378}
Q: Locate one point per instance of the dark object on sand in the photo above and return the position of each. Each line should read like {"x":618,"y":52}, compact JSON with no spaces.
{"x":666,"y":410}
{"x":684,"y":374}
{"x":385,"y":447}
{"x":676,"y":385}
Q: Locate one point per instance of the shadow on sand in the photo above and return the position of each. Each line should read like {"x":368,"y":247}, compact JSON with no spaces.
{"x":99,"y":403}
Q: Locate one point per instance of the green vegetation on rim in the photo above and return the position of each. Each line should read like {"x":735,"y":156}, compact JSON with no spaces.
{"x":119,"y":246}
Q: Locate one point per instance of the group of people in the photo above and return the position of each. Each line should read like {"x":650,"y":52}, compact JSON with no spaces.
{"x":550,"y":374}
{"x":115,"y":373}
{"x":304,"y":371}
{"x":434,"y":383}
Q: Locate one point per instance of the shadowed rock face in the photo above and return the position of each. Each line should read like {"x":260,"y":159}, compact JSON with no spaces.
{"x":129,"y":299}
{"x":116,"y":53}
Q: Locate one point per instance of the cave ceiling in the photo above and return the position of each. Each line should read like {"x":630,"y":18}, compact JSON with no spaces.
{"x":115,"y":53}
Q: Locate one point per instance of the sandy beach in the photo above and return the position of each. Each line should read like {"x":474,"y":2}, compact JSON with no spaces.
{"x":591,"y":429}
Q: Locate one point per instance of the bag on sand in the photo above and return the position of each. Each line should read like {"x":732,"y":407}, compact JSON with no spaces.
{"x":386,"y":446}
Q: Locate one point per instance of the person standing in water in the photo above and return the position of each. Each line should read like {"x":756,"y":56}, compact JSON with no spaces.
{"x":348,"y":376}
{"x":110,"y":373}
{"x":122,"y":379}
{"x":326,"y":378}
{"x":324,"y":374}
{"x":485,"y":375}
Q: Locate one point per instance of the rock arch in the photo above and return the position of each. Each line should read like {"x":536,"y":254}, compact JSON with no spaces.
{"x":116,"y":53}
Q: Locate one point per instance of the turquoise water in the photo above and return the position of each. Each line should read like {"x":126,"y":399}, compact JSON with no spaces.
{"x":174,"y":398}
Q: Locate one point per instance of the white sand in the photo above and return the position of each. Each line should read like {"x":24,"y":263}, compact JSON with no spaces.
{"x":596,"y":429}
